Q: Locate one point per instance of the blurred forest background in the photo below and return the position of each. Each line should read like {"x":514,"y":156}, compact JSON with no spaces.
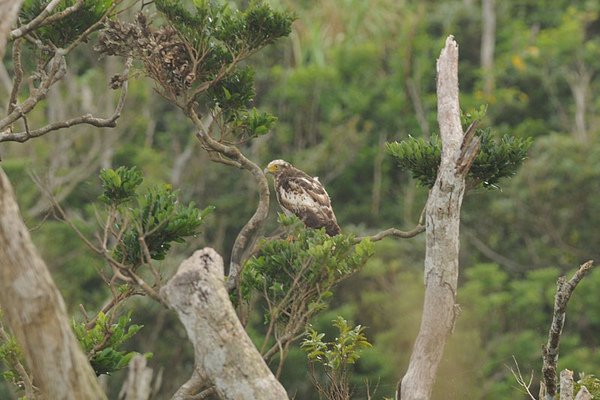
{"x":353,"y":75}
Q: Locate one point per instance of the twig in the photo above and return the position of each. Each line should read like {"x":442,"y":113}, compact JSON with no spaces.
{"x":58,"y":69}
{"x":521,"y":381}
{"x":564,"y":289}
{"x":393,"y":232}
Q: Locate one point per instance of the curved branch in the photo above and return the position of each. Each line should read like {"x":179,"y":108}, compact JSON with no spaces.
{"x":245,"y":238}
{"x":89,"y":119}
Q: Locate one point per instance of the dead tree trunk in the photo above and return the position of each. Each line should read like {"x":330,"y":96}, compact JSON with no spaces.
{"x":226,"y":360}
{"x":36,"y":314}
{"x":442,"y":229}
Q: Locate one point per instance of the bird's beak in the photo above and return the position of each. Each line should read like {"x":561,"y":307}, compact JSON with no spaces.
{"x":270,"y":169}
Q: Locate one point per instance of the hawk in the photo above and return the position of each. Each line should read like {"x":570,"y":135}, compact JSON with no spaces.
{"x":304,"y":196}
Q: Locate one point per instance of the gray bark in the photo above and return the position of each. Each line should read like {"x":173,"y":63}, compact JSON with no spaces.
{"x":442,"y":233}
{"x":566,"y":384}
{"x":36,"y":314}
{"x":225,"y":357}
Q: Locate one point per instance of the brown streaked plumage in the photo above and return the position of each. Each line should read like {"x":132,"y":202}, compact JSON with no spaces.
{"x":304,"y":196}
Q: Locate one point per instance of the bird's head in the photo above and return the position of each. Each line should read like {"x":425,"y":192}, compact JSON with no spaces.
{"x":276,"y":166}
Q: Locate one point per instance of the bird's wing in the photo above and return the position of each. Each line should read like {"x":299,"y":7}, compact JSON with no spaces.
{"x":307,"y":198}
{"x":309,"y":192}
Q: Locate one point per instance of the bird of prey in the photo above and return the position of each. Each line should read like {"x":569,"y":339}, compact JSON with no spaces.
{"x":304,"y":196}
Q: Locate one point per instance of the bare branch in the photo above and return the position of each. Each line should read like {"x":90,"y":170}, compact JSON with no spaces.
{"x":393,"y":232}
{"x":248,"y":233}
{"x":564,"y":289}
{"x":57,"y":69}
{"x":521,"y":381}
{"x":89,"y":119}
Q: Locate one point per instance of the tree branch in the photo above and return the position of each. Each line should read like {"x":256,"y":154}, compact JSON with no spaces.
{"x":250,"y":230}
{"x":44,"y":18}
{"x":393,"y":232}
{"x":224,"y":354}
{"x":564,"y":289}
{"x":89,"y":119}
{"x":57,"y":70}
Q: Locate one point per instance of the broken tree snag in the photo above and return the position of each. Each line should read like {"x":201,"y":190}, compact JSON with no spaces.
{"x":36,"y":313}
{"x":566,"y":385}
{"x":564,"y":289}
{"x":225,"y":357}
{"x":442,"y":229}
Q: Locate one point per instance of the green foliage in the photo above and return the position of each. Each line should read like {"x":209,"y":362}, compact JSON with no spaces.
{"x":419,"y":156}
{"x":343,"y":351}
{"x":253,"y":123}
{"x":471,"y":116}
{"x":103,"y":343}
{"x":237,"y":31}
{"x":334,"y":357}
{"x":233,"y":93}
{"x":10,"y":354}
{"x":309,"y":262}
{"x":119,"y":185}
{"x":496,"y":159}
{"x":65,"y":30}
{"x":221,"y":36}
{"x":152,"y":221}
{"x":160,"y":220}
